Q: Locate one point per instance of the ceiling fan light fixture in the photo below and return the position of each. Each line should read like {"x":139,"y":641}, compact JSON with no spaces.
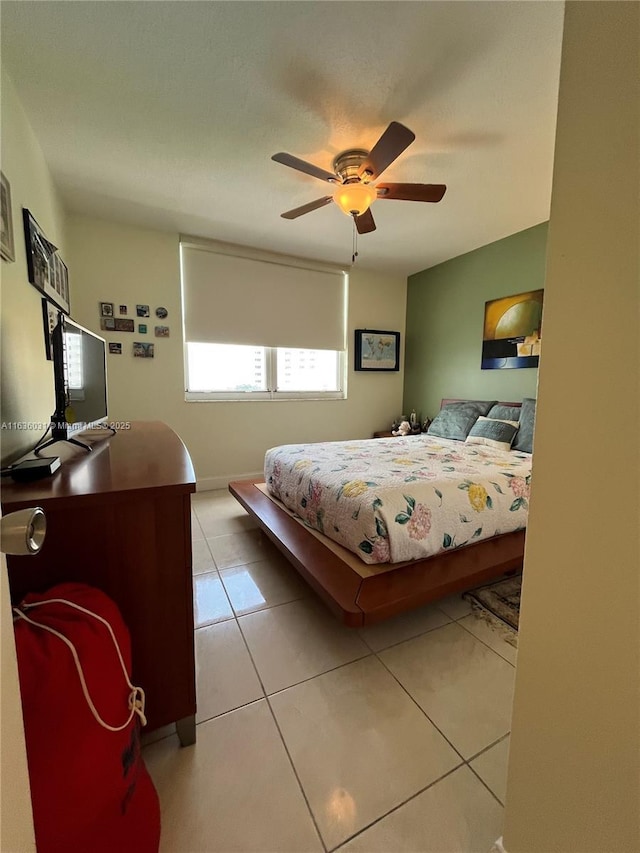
{"x":354,"y":199}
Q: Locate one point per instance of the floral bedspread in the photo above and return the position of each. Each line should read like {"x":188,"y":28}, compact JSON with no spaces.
{"x":397,"y":499}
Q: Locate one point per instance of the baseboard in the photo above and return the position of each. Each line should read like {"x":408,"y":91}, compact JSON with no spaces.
{"x":498,"y":847}
{"x":207,"y":484}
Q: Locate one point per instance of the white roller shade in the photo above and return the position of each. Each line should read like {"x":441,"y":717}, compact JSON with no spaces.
{"x":240,"y":300}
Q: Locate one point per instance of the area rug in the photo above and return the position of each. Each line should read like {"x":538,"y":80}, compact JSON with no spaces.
{"x":501,"y":598}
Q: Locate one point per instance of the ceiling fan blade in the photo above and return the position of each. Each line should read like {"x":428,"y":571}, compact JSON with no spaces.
{"x":303,"y":166}
{"x":412,"y":192}
{"x":391,"y":144}
{"x":307,"y":208}
{"x":365,"y":222}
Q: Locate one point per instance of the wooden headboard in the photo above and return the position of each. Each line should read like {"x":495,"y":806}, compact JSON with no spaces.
{"x":445,"y":401}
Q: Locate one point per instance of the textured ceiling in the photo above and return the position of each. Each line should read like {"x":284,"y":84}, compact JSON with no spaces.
{"x":167,"y":113}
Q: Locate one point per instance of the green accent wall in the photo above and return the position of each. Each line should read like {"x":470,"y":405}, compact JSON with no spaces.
{"x":445,"y":317}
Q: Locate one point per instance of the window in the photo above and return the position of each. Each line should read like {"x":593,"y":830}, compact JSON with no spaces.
{"x":234,"y":371}
{"x":75,"y":362}
{"x":261,"y":326}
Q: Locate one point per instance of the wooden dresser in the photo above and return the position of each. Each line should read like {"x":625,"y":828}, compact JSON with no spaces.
{"x":119,"y":518}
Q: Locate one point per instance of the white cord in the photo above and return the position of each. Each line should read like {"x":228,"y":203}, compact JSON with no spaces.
{"x":136,"y":696}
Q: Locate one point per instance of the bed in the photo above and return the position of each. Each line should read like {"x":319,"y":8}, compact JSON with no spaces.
{"x":410,"y":520}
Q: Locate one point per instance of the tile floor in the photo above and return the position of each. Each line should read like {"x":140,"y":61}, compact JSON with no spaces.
{"x":315,"y":737}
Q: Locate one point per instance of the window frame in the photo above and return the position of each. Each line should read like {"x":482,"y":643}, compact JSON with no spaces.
{"x":270,"y":394}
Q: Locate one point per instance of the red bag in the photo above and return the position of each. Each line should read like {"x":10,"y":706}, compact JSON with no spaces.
{"x":89,"y":786}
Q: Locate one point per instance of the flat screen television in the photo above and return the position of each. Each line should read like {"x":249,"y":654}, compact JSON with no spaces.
{"x":80,"y":375}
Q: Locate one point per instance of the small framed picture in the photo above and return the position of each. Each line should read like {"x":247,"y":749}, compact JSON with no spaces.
{"x":122,"y":309}
{"x":162,"y":331}
{"x":142,"y":310}
{"x":107,"y":324}
{"x":50,"y":317}
{"x":7,"y":248}
{"x":115,"y":349}
{"x":141,"y":350}
{"x":142,"y":328}
{"x":377,"y":350}
{"x":44,"y":266}
{"x":106,"y":309}
{"x":161,"y":313}
{"x":122,"y":325}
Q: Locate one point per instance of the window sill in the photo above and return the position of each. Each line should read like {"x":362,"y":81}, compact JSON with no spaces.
{"x":262,"y":396}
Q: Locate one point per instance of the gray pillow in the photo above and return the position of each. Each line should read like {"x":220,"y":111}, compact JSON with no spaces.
{"x":493,"y":433}
{"x":456,"y":419}
{"x":524,"y":438}
{"x":505,"y":413}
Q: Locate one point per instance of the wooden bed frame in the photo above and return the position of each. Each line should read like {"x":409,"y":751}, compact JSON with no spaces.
{"x":360,"y":600}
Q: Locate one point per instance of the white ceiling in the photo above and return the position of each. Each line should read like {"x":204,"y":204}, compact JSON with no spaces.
{"x":167,"y":113}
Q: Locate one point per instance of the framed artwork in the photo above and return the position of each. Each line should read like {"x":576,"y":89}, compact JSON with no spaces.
{"x":142,"y":310}
{"x":107,"y":324}
{"x":512,"y":334}
{"x":106,"y":309}
{"x":377,"y":350}
{"x":46,"y":270}
{"x":115,"y":348}
{"x":7,"y":247}
{"x":142,"y":328}
{"x":141,"y":350}
{"x":162,"y":331}
{"x":123,"y":309}
{"x":49,"y":321}
{"x":122,"y":325}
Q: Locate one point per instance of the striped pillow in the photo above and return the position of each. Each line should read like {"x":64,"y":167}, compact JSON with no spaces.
{"x":493,"y":433}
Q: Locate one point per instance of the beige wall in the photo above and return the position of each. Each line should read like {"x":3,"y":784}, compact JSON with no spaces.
{"x":123,"y":264}
{"x":27,"y":377}
{"x":575,"y":747}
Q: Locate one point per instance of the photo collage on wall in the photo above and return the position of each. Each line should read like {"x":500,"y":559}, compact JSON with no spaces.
{"x":120,"y":321}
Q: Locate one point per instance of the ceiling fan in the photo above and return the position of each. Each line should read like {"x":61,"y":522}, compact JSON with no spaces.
{"x":353,"y":173}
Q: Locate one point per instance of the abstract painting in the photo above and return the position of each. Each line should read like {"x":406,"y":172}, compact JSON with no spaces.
{"x":512,"y":331}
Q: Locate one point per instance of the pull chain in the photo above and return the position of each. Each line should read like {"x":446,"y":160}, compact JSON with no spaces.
{"x":354,"y":245}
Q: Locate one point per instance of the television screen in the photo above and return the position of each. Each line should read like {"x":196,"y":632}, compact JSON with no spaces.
{"x":81,"y":376}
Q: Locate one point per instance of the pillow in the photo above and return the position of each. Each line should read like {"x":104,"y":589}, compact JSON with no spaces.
{"x":505,"y":413}
{"x":493,"y":432}
{"x":456,"y":419}
{"x":524,"y":440}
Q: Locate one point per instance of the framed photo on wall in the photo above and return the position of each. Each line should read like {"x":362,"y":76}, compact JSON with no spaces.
{"x":46,"y":269}
{"x":7,"y":250}
{"x":377,"y":350}
{"x":50,"y":316}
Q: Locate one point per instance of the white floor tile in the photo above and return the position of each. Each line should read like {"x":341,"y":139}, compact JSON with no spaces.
{"x":225,"y":676}
{"x":210,"y":600}
{"x":224,"y":517}
{"x":263,"y":584}
{"x":463,"y":686}
{"x":492,"y":767}
{"x":147,"y":738}
{"x":455,"y":606}
{"x":456,"y":815}
{"x":196,"y":530}
{"x":219,"y":512}
{"x":403,"y":627}
{"x":492,"y":631}
{"x":233,"y":791}
{"x":359,"y":744}
{"x":297,"y":641}
{"x":202,"y":561}
{"x":237,"y":549}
